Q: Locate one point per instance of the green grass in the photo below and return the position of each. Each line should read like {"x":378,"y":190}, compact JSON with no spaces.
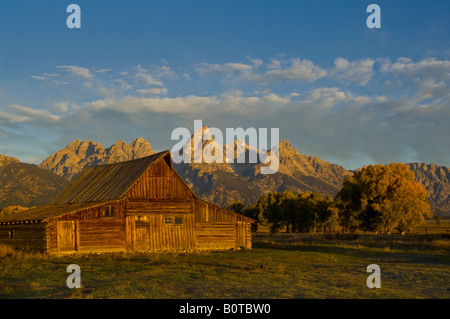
{"x":279,"y":266}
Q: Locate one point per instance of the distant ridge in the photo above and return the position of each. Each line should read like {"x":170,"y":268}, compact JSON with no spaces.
{"x":78,"y":155}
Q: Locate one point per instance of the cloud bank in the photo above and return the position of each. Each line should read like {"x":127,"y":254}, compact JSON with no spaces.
{"x":365,"y":111}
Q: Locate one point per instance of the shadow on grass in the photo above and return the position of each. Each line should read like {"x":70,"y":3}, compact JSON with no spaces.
{"x":413,"y":248}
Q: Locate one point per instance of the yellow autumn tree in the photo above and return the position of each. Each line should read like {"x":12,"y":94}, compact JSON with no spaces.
{"x":387,"y":198}
{"x":12,"y":210}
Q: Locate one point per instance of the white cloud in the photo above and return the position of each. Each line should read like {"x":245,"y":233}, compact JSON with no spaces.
{"x":44,"y":76}
{"x":123,"y":84}
{"x":429,"y":67}
{"x":13,"y":118}
{"x":164,"y":71}
{"x":206,"y":69}
{"x":155,"y":91}
{"x":255,"y":62}
{"x":429,"y":88}
{"x":60,"y":82}
{"x":360,"y":71}
{"x":79,"y":72}
{"x":61,"y":107}
{"x":139,"y":105}
{"x":296,"y":69}
{"x":142,"y":74}
{"x":50,"y":75}
{"x":39,"y":77}
{"x":102,"y":70}
{"x":277,"y":70}
{"x":274,"y":64}
{"x":19,"y":113}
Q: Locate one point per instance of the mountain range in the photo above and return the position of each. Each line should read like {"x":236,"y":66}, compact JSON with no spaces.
{"x":78,"y":155}
{"x":223,"y":183}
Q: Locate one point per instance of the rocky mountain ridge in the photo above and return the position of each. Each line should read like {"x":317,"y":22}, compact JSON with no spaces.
{"x":78,"y":155}
{"x":225,"y":182}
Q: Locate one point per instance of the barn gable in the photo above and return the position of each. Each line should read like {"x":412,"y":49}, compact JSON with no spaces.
{"x":160,"y":182}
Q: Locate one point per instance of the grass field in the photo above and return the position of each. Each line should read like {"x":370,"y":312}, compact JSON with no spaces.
{"x":279,"y":266}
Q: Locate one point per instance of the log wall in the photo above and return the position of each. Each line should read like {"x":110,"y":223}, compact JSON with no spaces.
{"x":150,"y":232}
{"x":101,"y":235}
{"x":216,"y":235}
{"x":214,"y":224}
{"x":30,"y":235}
{"x":91,"y":229}
{"x":155,"y":207}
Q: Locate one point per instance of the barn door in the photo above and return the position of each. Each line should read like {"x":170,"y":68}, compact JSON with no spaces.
{"x":67,"y":239}
{"x":142,"y":231}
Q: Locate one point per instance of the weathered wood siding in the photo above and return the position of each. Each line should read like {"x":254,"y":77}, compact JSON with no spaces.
{"x":101,"y":235}
{"x":28,"y":235}
{"x":150,"y":232}
{"x":207,"y":212}
{"x":160,"y":182}
{"x":214,"y":224}
{"x":215,"y":235}
{"x":91,"y":229}
{"x":67,"y":236}
{"x":243,"y":235}
{"x":147,"y":206}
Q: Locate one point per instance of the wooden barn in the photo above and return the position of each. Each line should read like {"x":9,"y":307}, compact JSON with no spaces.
{"x":137,"y":205}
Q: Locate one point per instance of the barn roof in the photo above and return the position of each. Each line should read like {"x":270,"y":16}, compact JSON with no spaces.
{"x":44,"y":212}
{"x":107,"y":182}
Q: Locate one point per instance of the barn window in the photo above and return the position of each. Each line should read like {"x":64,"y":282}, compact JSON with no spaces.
{"x":168,"y":220}
{"x":178,"y":221}
{"x":110,"y":211}
{"x":11,"y":234}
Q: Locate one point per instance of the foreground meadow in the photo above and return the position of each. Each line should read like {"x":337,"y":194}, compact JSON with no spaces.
{"x":280,"y":266}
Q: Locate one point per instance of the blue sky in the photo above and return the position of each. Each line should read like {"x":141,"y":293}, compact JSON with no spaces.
{"x":336,"y":89}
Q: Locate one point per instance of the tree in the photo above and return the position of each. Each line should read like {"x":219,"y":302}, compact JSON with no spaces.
{"x":304,"y":212}
{"x":381,"y":198}
{"x":274,"y":209}
{"x":438,"y":220}
{"x":348,"y":203}
{"x":237,"y":206}
{"x":13,"y":209}
{"x":270,"y":207}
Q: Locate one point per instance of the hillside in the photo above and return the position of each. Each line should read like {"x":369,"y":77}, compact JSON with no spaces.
{"x":436,"y":180}
{"x":27,"y":185}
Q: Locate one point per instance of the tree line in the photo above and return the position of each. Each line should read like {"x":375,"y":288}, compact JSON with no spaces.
{"x":376,"y":199}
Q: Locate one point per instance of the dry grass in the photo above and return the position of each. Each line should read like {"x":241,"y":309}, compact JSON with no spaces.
{"x":280,"y":266}
{"x":12,"y":252}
